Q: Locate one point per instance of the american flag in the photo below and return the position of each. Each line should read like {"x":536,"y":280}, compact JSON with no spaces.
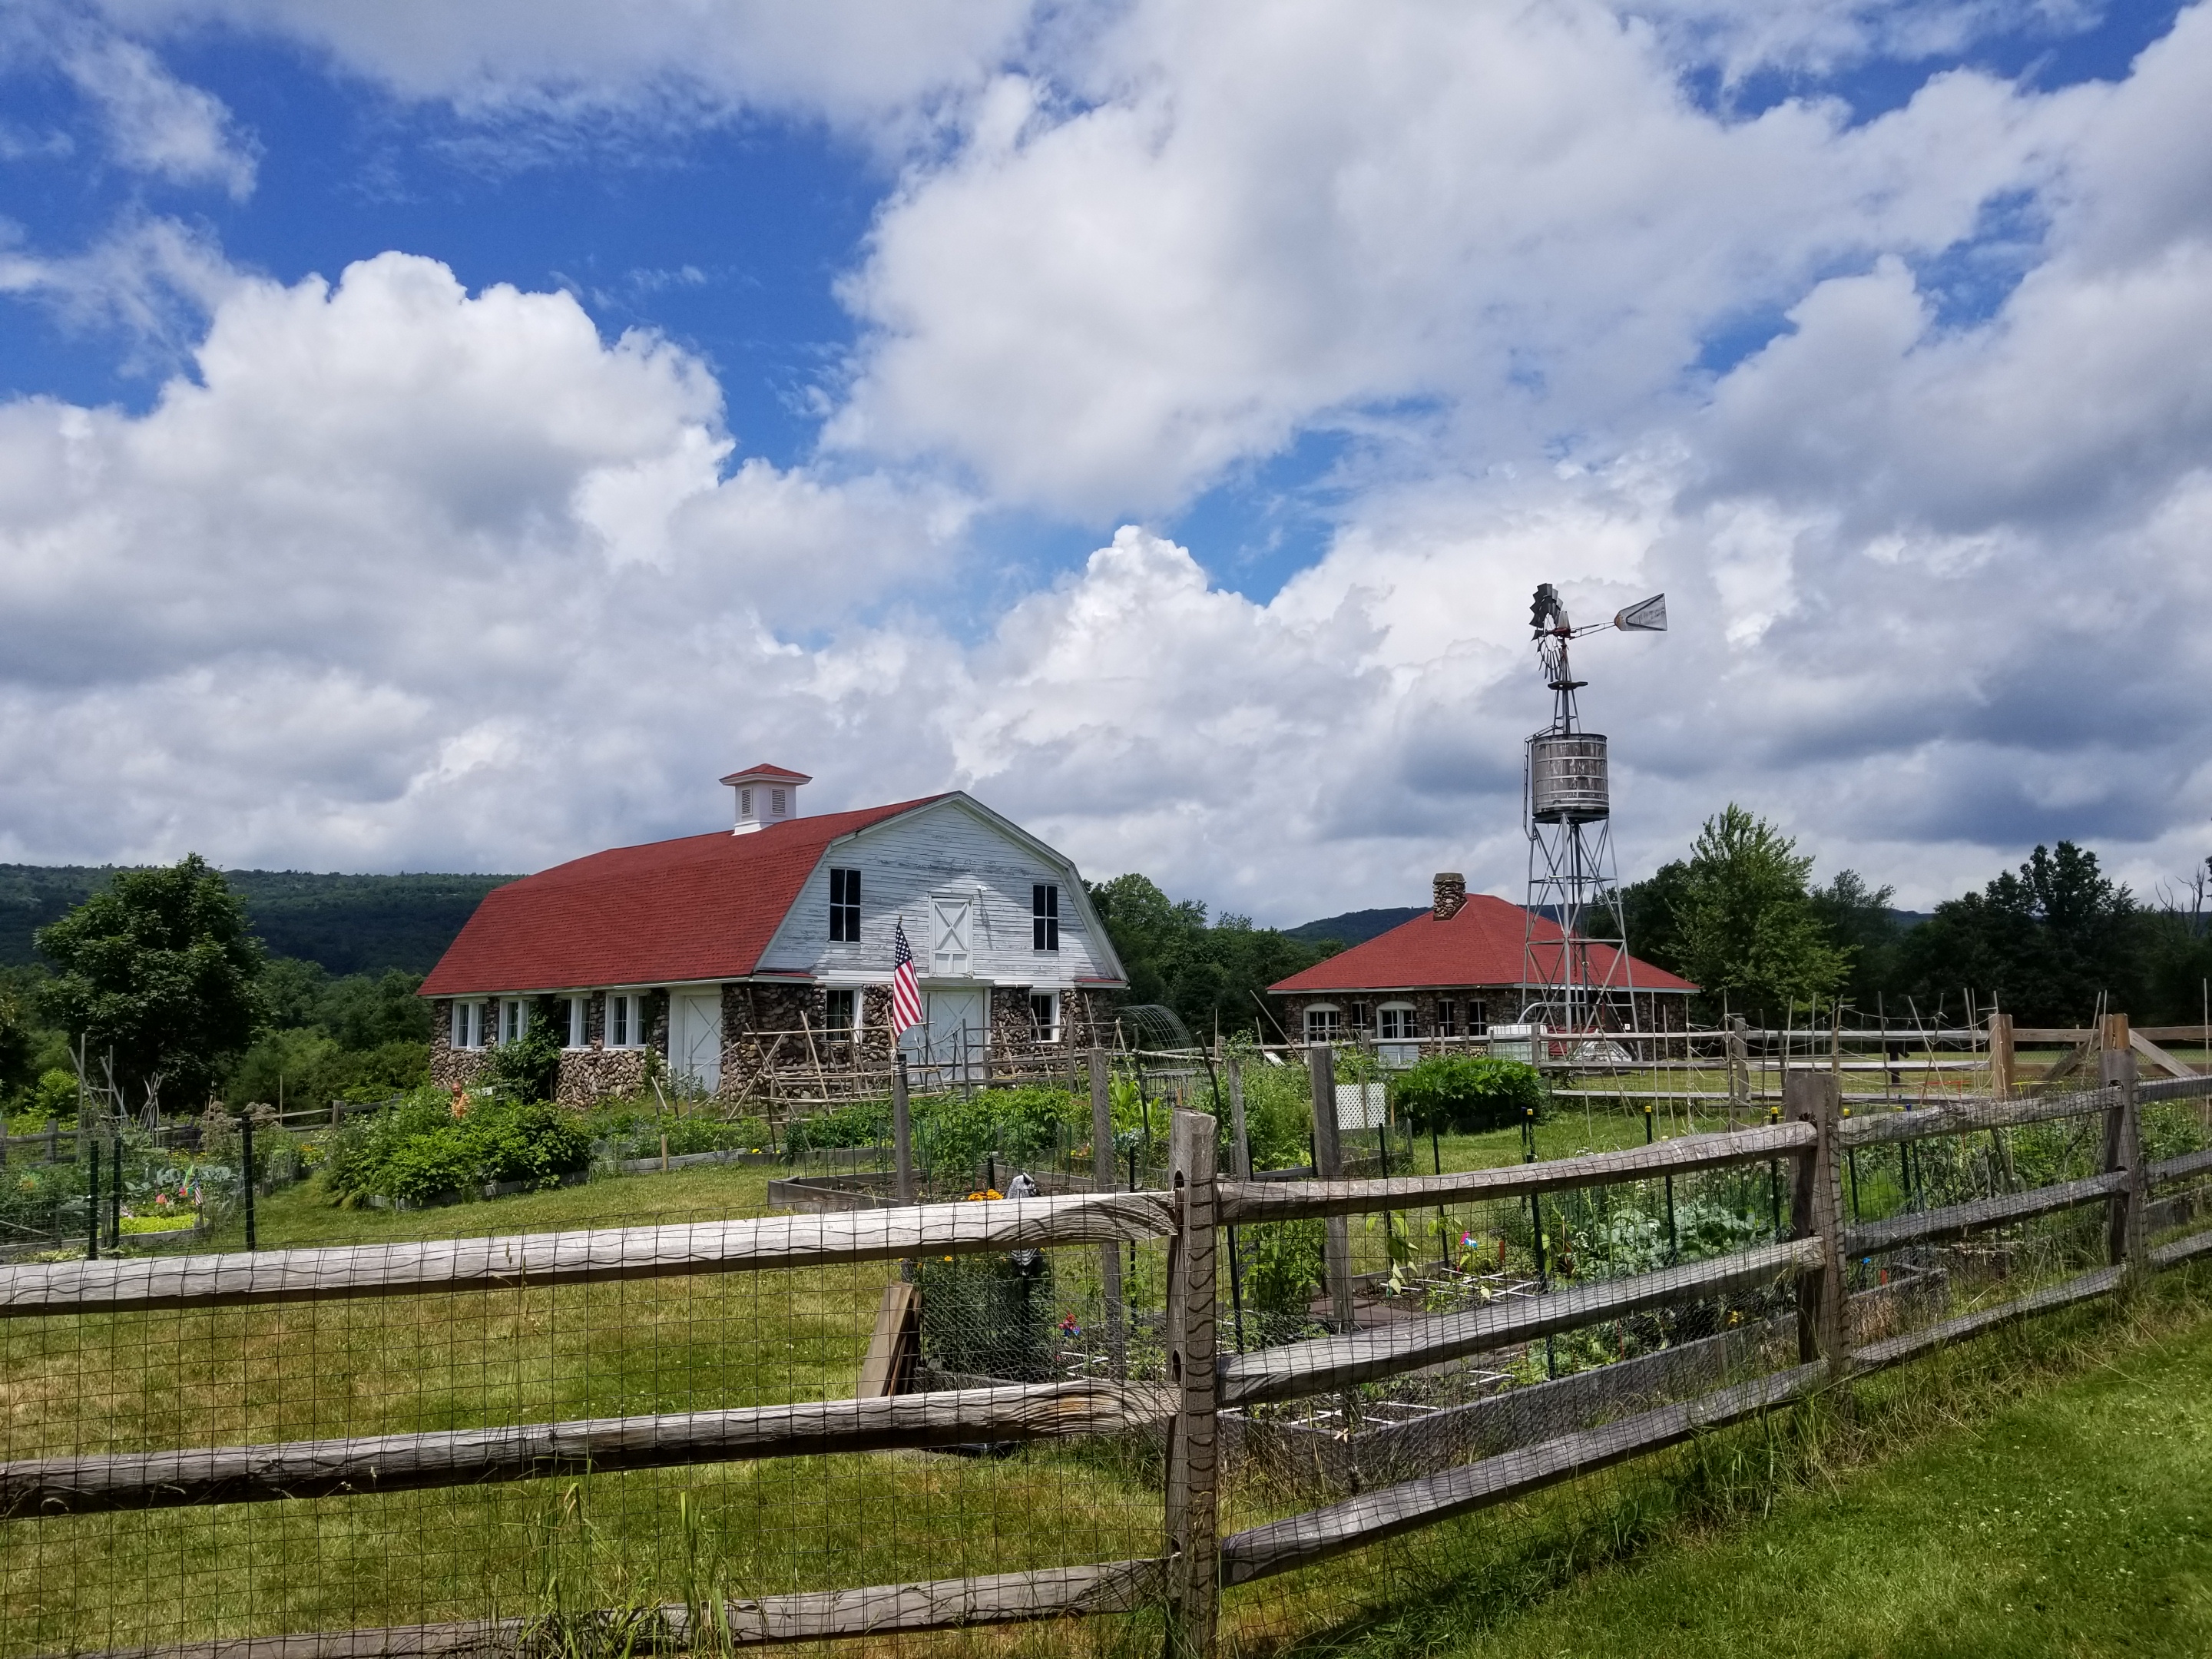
{"x":906,"y":995}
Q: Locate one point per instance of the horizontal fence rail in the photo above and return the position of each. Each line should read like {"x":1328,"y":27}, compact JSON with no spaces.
{"x":1330,"y":1362}
{"x":1955,"y":1220}
{"x":1172,"y":1311}
{"x":1973,"y":1115}
{"x":399,"y":1463}
{"x":1246,"y":1201}
{"x":1003,"y":1598}
{"x":1372,"y":1516}
{"x":584,"y":1258}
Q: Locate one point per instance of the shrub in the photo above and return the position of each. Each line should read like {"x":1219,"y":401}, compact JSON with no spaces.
{"x":1467,"y":1093}
{"x":418,"y":1148}
{"x":528,"y":1068}
{"x":1286,"y":1266}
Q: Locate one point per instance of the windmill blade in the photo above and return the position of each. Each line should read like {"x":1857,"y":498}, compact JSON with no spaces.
{"x":1645,"y":616}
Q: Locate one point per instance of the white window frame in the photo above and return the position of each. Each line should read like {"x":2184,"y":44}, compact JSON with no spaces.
{"x":467,"y":1032}
{"x":1050,"y":1031}
{"x":1406,"y":1031}
{"x":1044,"y":916}
{"x":579,"y":1021}
{"x":513,"y":1020}
{"x":846,"y":1033}
{"x":633,"y":1019}
{"x":1331,"y":1024}
{"x":1447,"y":1017}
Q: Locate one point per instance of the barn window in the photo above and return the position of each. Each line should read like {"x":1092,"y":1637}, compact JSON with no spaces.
{"x":842,"y":1013}
{"x":626,"y":1021}
{"x":845,"y":906}
{"x":577,"y":1020}
{"x":1044,"y":1015}
{"x":1394,"y":1022}
{"x":468,"y":1025}
{"x":1323,"y":1023}
{"x":1044,"y":917}
{"x":1447,"y":1017}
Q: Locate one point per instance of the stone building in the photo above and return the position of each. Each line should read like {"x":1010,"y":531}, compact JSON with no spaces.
{"x":1431,"y":983}
{"x":754,"y":964}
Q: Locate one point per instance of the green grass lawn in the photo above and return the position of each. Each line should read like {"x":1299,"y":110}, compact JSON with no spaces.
{"x":2076,"y":1520}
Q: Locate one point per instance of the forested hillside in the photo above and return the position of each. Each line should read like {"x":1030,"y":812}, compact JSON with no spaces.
{"x":347,"y":924}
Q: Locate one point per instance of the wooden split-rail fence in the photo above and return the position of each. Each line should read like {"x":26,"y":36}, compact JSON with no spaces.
{"x":1197,"y":1561}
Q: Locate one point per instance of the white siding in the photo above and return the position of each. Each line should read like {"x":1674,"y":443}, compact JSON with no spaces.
{"x":944,"y":848}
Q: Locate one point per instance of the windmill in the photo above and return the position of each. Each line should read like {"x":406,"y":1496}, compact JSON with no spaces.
{"x":1565,"y":986}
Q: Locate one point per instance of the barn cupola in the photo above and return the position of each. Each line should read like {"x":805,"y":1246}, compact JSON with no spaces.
{"x":766,"y":795}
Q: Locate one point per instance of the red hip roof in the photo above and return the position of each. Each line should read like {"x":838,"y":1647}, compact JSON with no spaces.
{"x":1483,"y":944}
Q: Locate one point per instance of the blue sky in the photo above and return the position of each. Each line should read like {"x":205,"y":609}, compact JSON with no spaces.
{"x":1152,"y":429}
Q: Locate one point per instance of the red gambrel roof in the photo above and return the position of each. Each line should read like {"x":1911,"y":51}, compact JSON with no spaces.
{"x":1481,"y":945}
{"x":702,"y":907}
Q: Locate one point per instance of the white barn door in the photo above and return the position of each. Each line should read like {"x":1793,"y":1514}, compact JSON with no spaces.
{"x":694,"y":1037}
{"x":952,"y":927}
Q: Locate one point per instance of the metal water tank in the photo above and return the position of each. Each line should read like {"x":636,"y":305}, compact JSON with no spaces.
{"x":1566,"y":778}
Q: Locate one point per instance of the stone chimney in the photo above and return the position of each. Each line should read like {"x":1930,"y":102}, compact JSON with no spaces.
{"x":1450,"y":895}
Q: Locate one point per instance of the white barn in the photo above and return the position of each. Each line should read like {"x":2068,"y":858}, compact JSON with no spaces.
{"x":767,"y":949}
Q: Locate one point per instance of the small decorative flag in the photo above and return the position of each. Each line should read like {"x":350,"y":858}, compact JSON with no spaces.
{"x":906,"y":995}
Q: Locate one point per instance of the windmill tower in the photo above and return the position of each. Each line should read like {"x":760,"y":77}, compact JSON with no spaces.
{"x":1567,"y":803}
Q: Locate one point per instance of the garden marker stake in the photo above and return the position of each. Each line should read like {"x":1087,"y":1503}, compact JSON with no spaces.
{"x":92,"y":1207}
{"x":245,"y":1171}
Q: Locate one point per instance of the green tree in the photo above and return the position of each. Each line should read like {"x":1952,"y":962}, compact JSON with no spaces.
{"x":1750,"y":932}
{"x":1861,"y":922}
{"x":2046,"y":939}
{"x":161,"y":969}
{"x":18,"y":1044}
{"x":1648,"y":909}
{"x":1212,"y":974}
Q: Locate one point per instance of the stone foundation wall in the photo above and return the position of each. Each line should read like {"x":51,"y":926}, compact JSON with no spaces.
{"x":1475,"y":1008}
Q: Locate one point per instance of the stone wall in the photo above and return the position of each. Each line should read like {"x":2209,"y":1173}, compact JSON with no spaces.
{"x":1475,"y":1007}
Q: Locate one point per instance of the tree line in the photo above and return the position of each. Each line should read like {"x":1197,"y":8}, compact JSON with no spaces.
{"x":1743,"y":918}
{"x":158,"y":982}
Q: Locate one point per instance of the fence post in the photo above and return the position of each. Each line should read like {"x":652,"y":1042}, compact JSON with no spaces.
{"x":1816,"y":1211}
{"x":902,"y":1129}
{"x":2124,"y":1226}
{"x":1194,"y":1455}
{"x":1101,"y":1167}
{"x":1739,"y":1070}
{"x":1329,"y":1166}
{"x":2001,"y":1056}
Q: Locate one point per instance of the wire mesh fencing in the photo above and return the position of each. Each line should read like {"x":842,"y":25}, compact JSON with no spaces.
{"x":1218,"y":1411}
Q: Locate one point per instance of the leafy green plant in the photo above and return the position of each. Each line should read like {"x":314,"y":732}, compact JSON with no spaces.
{"x":1468,"y":1093}
{"x":1286,"y":1265}
{"x":421,"y":1149}
{"x":528,"y":1068}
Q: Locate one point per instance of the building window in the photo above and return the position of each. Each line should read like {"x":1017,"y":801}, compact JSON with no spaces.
{"x":626,"y":1021}
{"x":776,"y":803}
{"x":1447,"y":1017}
{"x":1044,"y":1016}
{"x":1394,"y":1022}
{"x":1359,"y":1017}
{"x":841,"y":1009}
{"x":744,"y":803}
{"x":1044,"y":917}
{"x":578,"y":1020}
{"x":1478,"y":1021}
{"x":468,"y":1025}
{"x":844,"y":907}
{"x":1323,"y":1023}
{"x":513,"y":1020}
